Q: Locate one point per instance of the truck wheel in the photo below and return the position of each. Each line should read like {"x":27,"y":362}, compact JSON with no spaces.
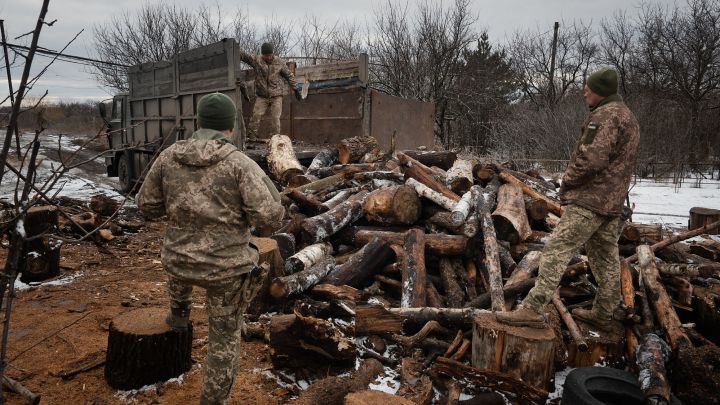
{"x":602,"y":386}
{"x":123,"y":170}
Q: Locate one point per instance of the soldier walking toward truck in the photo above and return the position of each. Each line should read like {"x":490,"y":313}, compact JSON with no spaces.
{"x":270,"y":70}
{"x":593,"y":191}
{"x":212,"y":194}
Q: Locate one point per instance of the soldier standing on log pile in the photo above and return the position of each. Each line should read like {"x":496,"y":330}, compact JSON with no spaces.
{"x":593,"y":190}
{"x":269,"y":88}
{"x":211,"y":193}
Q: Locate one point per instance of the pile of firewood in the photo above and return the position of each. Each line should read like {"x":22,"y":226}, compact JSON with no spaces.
{"x":399,"y":257}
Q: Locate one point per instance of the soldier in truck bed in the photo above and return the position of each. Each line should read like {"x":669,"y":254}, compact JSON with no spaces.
{"x":593,"y":190}
{"x":212,"y":194}
{"x":269,"y":73}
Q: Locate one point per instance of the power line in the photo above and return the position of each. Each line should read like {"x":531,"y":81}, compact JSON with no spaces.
{"x":65,"y":56}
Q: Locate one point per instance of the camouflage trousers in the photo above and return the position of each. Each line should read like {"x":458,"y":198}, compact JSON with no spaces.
{"x":600,"y":235}
{"x":262,"y":104}
{"x":226,"y":303}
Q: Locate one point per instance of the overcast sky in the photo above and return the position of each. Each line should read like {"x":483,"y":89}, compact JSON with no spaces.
{"x":74,"y":82}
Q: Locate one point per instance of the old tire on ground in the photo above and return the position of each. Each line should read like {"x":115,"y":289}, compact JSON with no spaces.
{"x":603,"y":386}
{"x":123,"y":171}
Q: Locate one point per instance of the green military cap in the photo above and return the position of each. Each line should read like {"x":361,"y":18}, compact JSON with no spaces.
{"x":603,"y":82}
{"x":266,"y":48}
{"x":216,"y":111}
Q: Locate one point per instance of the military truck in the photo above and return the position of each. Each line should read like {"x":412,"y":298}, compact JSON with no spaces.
{"x":160,"y":108}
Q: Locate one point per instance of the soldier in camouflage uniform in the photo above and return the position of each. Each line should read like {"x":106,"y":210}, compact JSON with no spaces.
{"x":212,"y":194}
{"x":269,"y":88}
{"x":593,"y":190}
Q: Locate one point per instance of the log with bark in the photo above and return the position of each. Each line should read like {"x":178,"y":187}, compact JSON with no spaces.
{"x":30,"y":397}
{"x":435,"y":244}
{"x":659,"y":298}
{"x":351,"y":150}
{"x":570,"y":323}
{"x":432,"y":195}
{"x":510,"y":292}
{"x":486,"y":201}
{"x":302,"y":280}
{"x":453,"y":292}
{"x":332,"y":390}
{"x":308,"y":204}
{"x":553,"y":205}
{"x":701,"y":217}
{"x":678,"y":238}
{"x":324,"y":158}
{"x":652,"y":355}
{"x":282,"y":161}
{"x":413,"y":270}
{"x":365,"y":263}
{"x":443,"y":159}
{"x":423,"y":174}
{"x":510,"y":219}
{"x":537,"y":209}
{"x":460,"y":176}
{"x":463,"y":208}
{"x":307,"y":257}
{"x":320,"y":227}
{"x":299,"y":341}
{"x":398,"y":205}
{"x":142,"y":349}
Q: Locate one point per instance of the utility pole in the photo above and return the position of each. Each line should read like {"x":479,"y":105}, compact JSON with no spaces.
{"x":552,"y":63}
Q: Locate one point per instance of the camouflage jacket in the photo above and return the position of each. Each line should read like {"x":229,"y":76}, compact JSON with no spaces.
{"x":268,"y":82}
{"x":602,"y":164}
{"x":211,"y":193}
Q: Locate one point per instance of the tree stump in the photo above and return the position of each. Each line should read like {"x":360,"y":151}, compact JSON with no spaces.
{"x":603,"y":347}
{"x":393,"y":205}
{"x":142,"y":349}
{"x":351,"y":150}
{"x":40,"y":258}
{"x":524,"y":353}
{"x":700,"y":216}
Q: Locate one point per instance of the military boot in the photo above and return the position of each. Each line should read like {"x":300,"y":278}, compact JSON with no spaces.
{"x":604,"y":322}
{"x":522,"y":317}
{"x":179,"y":318}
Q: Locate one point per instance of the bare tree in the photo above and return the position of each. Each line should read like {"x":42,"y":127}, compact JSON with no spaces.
{"x":531,"y":55}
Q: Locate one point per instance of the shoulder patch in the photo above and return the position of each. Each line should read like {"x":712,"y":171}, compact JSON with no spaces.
{"x":590,"y":132}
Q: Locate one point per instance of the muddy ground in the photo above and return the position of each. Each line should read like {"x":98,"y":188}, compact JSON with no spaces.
{"x":53,"y":325}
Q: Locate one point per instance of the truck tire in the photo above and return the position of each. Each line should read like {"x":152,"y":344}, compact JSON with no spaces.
{"x":123,"y":171}
{"x":603,"y":386}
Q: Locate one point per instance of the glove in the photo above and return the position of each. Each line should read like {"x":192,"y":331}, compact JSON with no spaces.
{"x":298,"y":95}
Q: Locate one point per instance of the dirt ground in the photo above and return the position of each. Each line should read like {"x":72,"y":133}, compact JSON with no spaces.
{"x":53,"y":325}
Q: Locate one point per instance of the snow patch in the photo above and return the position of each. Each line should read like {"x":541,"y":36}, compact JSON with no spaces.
{"x":388,"y":382}
{"x":560,"y":377}
{"x":19,"y":285}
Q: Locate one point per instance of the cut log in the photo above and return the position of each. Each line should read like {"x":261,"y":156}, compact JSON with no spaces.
{"x":486,"y":200}
{"x":432,"y":195}
{"x":336,"y":200}
{"x":414,"y":340}
{"x":503,"y":382}
{"x":332,"y":390}
{"x":452,"y":316}
{"x":351,"y":150}
{"x":525,"y":269}
{"x":374,"y":319}
{"x":636,"y":232}
{"x":507,"y":263}
{"x":536,"y":209}
{"x":460,"y":176}
{"x":463,"y":208}
{"x":433,"y":297}
{"x":142,"y":349}
{"x":628,"y":295}
{"x":443,"y":159}
{"x":302,"y":280}
{"x":336,"y":292}
{"x":298,"y":341}
{"x":553,"y":206}
{"x":40,"y":257}
{"x":659,"y":299}
{"x":484,"y":173}
{"x":286,"y":244}
{"x":308,"y":204}
{"x":362,"y":265}
{"x":307,"y":257}
{"x":324,"y":158}
{"x":700,"y":217}
{"x":690,"y":270}
{"x":453,"y":292}
{"x":413,"y":270}
{"x":421,"y":173}
{"x":510,"y":220}
{"x":435,"y":244}
{"x":326,"y":183}
{"x":415,"y":385}
{"x":653,"y":353}
{"x":281,"y":159}
{"x":575,"y":333}
{"x":467,"y":283}
{"x":525,"y":353}
{"x":373,"y":397}
{"x":320,"y":227}
{"x":398,"y":205}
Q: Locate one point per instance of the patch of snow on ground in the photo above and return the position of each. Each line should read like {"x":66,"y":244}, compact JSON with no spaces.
{"x":663,"y":203}
{"x":560,"y":377}
{"x":19,"y":285}
{"x":388,"y":382}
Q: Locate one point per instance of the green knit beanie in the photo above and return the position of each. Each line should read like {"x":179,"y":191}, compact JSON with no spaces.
{"x":216,"y":111}
{"x":603,"y":82}
{"x":266,"y":48}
